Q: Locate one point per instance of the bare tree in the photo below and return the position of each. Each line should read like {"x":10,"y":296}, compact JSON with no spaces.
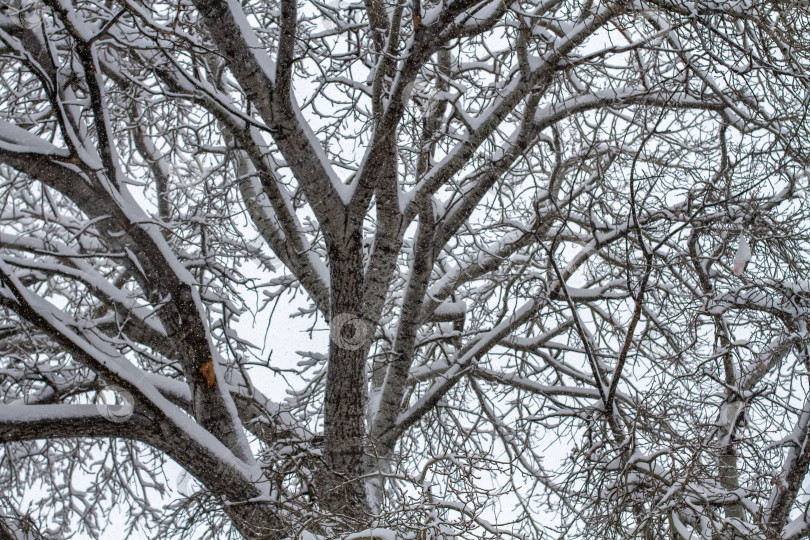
{"x":565,"y":225}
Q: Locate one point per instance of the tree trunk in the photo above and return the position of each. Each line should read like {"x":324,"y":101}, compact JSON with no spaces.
{"x":346,"y":393}
{"x":731,"y":417}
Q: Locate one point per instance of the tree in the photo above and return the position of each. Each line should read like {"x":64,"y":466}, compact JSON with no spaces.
{"x":530,"y":225}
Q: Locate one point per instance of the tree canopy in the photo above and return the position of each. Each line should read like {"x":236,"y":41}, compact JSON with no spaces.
{"x":559,"y":247}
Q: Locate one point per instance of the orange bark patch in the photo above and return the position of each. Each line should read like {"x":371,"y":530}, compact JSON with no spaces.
{"x":207,"y":370}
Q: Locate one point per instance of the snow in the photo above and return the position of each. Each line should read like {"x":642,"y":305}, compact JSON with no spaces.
{"x":17,"y":139}
{"x":344,"y":191}
{"x":484,"y":348}
{"x":729,"y":413}
{"x":686,"y":532}
{"x":374,"y":534}
{"x":742,"y":256}
{"x":433,"y":13}
{"x":481,"y":14}
{"x":264,"y":61}
{"x":451,"y":309}
{"x":18,"y":414}
{"x":796,"y":527}
{"x":106,"y":360}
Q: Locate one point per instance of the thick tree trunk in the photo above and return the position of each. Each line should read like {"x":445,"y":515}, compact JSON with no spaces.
{"x":731,"y":418}
{"x":730,"y":481}
{"x":346,"y":392}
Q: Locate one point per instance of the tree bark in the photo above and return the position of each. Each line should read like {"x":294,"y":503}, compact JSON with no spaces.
{"x":346,"y":392}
